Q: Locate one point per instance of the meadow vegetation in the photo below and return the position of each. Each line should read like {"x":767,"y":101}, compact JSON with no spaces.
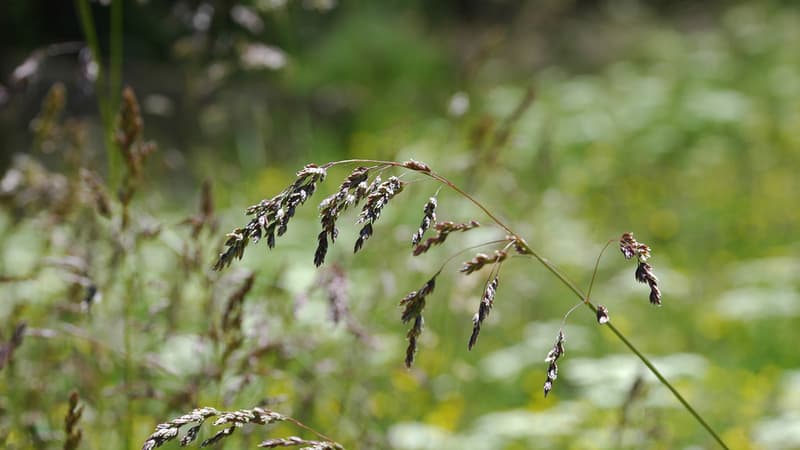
{"x":132,"y":316}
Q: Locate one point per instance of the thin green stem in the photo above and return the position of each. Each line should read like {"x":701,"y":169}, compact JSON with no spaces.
{"x":526,"y":248}
{"x":106,"y":94}
{"x":594,"y":271}
{"x":114,"y":89}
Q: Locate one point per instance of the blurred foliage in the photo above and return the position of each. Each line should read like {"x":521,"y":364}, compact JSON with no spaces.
{"x":574,"y":120}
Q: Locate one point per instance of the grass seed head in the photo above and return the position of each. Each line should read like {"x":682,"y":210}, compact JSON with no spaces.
{"x":552,"y":357}
{"x":443,"y":229}
{"x":482,"y":259}
{"x":485,"y":307}
{"x":630,"y":247}
{"x":271,"y":215}
{"x":428,"y":217}
{"x":373,"y":207}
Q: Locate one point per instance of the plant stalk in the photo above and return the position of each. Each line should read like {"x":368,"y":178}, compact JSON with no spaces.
{"x":564,"y":280}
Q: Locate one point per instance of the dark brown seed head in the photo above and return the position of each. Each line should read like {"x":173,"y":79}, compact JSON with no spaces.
{"x":272,"y":215}
{"x":443,"y":229}
{"x":484,"y":308}
{"x":552,"y":357}
{"x":482,"y":259}
{"x":429,"y":216}
{"x":413,"y":335}
{"x":630,"y":247}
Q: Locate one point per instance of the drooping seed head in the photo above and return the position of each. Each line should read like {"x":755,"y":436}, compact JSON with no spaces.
{"x":484,"y":308}
{"x":552,"y":357}
{"x":429,"y":216}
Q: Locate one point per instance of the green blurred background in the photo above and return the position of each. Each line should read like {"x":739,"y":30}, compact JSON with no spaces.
{"x":575,"y":121}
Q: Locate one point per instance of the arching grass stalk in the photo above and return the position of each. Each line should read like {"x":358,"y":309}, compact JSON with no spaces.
{"x":566,"y":282}
{"x":276,"y":212}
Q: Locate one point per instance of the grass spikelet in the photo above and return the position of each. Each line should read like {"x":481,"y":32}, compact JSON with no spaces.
{"x":429,"y":216}
{"x":74,"y":412}
{"x":552,"y":357}
{"x":294,"y":441}
{"x":352,"y":190}
{"x":630,"y":247}
{"x":373,"y":207}
{"x":413,"y":305}
{"x":482,"y":259}
{"x":485,"y":307}
{"x":443,"y":229}
{"x":45,"y":127}
{"x":419,"y":166}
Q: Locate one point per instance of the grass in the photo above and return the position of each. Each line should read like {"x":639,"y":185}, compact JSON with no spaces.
{"x":686,"y":137}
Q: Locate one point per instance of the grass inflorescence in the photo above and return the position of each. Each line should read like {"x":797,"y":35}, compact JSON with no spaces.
{"x":230,"y":421}
{"x":376,"y":195}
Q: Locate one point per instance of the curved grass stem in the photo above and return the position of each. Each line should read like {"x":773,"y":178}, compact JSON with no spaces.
{"x":527,"y":249}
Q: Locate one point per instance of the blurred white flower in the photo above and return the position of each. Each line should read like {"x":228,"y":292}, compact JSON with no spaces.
{"x":459,"y":104}
{"x":260,"y":56}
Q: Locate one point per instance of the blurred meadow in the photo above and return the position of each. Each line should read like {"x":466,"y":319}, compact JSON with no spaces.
{"x":574,"y":121}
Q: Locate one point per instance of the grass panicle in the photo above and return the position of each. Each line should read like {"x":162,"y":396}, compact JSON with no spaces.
{"x":271,"y":216}
{"x":134,"y":150}
{"x":230,"y":420}
{"x":630,"y":247}
{"x":46,"y":126}
{"x":270,"y":213}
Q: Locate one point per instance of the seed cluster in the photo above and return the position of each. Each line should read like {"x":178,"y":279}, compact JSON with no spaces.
{"x":483,"y":311}
{"x":294,"y":441}
{"x":413,"y":304}
{"x":482,"y":259}
{"x":375,"y":203}
{"x":429,"y":216}
{"x":352,"y":190}
{"x":234,"y":419}
{"x":552,"y":357}
{"x":271,"y":216}
{"x":630,"y":247}
{"x":443,"y":229}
